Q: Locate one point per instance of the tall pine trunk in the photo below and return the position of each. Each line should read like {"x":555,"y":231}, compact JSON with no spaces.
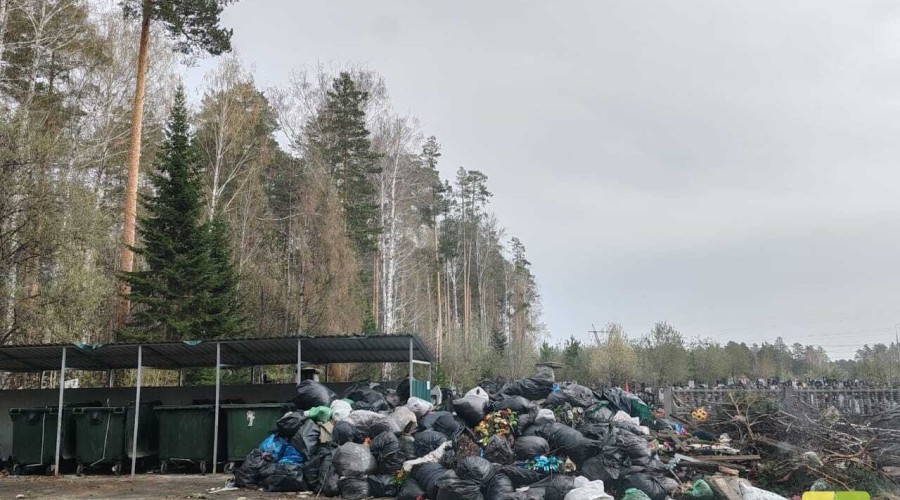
{"x":437,"y":271}
{"x":126,"y":263}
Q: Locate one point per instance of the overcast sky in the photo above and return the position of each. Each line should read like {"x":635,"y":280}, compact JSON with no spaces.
{"x":730,"y":167}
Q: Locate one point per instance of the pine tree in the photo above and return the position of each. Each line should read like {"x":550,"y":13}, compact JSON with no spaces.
{"x":188,"y":290}
{"x":341,"y":140}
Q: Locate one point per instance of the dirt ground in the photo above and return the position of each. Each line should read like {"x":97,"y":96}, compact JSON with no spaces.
{"x":141,"y":486}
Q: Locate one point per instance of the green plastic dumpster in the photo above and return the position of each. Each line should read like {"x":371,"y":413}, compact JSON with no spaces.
{"x":103,"y":436}
{"x":100,"y":437}
{"x":186,"y":436}
{"x":148,"y":431}
{"x":420,"y":389}
{"x":34,"y":438}
{"x":247,"y":426}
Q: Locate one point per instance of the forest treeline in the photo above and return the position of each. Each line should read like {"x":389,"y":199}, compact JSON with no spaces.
{"x":312,"y":207}
{"x":324,"y":204}
{"x":665,"y":356}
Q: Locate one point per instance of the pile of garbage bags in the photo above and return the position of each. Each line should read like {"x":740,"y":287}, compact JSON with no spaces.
{"x":527,"y":439}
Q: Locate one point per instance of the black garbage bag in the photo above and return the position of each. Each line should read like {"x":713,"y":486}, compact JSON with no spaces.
{"x":529,"y":388}
{"x":527,"y":447}
{"x":285,"y":477}
{"x":427,"y":421}
{"x":558,"y":487}
{"x":386,"y":450}
{"x":364,"y":397}
{"x":345,"y":432}
{"x":525,"y":422}
{"x":606,"y":467}
{"x":475,"y":468}
{"x":491,"y":386}
{"x":306,"y":440}
{"x":410,"y":491}
{"x":311,"y":393}
{"x":427,"y":476}
{"x":451,"y":487}
{"x":646,"y":483}
{"x":635,"y":447}
{"x":267,"y":470}
{"x":619,"y":400}
{"x":380,"y":486}
{"x":353,"y":488}
{"x":428,"y":441}
{"x":574,"y":394}
{"x":319,"y":473}
{"x":598,"y":432}
{"x":247,"y":475}
{"x":289,"y":424}
{"x":567,"y":441}
{"x":499,"y":451}
{"x":352,"y":459}
{"x":441,"y":421}
{"x":517,"y":404}
{"x":449,"y":425}
{"x":403,"y":390}
{"x":499,"y":485}
{"x":378,"y":427}
{"x":471,"y":409}
{"x":520,"y":476}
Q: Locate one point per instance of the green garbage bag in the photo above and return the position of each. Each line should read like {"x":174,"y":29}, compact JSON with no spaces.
{"x":320,"y":414}
{"x":642,"y":411}
{"x":635,"y":494}
{"x":700,"y":491}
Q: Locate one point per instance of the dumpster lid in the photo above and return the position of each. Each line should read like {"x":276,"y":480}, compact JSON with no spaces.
{"x":251,"y":406}
{"x":184,"y":407}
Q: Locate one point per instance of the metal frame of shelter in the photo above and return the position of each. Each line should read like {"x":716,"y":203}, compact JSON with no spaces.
{"x":208,"y":354}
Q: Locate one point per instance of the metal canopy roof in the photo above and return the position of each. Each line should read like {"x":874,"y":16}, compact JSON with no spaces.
{"x":190,"y":354}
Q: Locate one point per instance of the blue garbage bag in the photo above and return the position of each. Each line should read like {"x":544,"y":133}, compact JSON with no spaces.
{"x":274,"y":446}
{"x":290,"y":455}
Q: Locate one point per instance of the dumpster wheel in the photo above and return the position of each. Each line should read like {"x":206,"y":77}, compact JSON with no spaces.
{"x":18,"y":470}
{"x":79,"y":470}
{"x":117,"y":469}
{"x":203,"y":467}
{"x":229,"y":468}
{"x":164,"y":467}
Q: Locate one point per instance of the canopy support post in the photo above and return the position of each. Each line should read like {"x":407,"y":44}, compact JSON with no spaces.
{"x":59,"y":416}
{"x":180,"y":377}
{"x":298,"y":360}
{"x":410,"y":364}
{"x":137,"y":408}
{"x":216,"y":416}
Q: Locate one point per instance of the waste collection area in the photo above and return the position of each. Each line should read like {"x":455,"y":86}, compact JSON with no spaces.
{"x":144,"y":435}
{"x":528,"y":439}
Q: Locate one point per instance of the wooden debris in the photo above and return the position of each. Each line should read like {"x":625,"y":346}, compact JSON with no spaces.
{"x":729,"y":471}
{"x":731,"y":458}
{"x":726,"y":487}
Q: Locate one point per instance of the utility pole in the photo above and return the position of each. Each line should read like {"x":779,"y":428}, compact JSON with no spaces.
{"x":896,"y":348}
{"x":596,"y":333}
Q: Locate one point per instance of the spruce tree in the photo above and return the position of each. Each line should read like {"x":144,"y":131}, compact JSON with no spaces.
{"x":224,"y":310}
{"x":341,"y":140}
{"x":187,"y":290}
